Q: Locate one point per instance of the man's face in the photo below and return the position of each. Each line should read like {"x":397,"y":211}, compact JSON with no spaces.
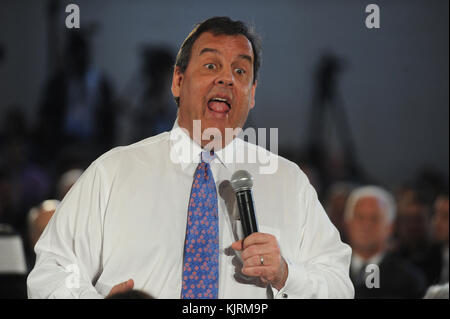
{"x":369,"y":228}
{"x":217,"y":86}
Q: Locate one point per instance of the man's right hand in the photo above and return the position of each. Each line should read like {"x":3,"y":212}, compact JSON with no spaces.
{"x":122,"y":287}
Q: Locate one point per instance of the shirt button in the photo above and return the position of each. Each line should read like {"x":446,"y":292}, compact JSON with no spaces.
{"x":284,"y":295}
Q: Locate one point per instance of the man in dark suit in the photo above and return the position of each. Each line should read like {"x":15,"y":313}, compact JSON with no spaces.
{"x":423,"y":240}
{"x":374,"y":271}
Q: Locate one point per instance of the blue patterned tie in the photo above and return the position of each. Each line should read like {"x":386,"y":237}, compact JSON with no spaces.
{"x":201,"y":248}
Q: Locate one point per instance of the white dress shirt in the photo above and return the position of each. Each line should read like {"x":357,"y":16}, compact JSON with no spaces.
{"x":126,"y":218}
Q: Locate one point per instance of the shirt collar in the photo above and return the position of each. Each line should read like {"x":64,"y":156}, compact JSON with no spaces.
{"x":185,"y":151}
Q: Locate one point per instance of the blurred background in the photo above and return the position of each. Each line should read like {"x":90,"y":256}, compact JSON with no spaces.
{"x":354,"y":106}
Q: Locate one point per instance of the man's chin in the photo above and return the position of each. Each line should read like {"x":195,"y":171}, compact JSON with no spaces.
{"x":212,"y":124}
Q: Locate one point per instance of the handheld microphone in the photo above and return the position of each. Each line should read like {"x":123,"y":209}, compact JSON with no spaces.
{"x":242,"y":183}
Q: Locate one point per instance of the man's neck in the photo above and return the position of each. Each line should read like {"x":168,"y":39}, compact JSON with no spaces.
{"x":202,"y":137}
{"x":367,"y":254}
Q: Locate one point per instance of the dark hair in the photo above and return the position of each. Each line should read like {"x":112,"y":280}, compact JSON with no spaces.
{"x":219,"y":26}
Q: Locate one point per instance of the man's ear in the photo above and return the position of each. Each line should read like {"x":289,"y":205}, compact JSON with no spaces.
{"x":252,"y":97}
{"x":177,"y":79}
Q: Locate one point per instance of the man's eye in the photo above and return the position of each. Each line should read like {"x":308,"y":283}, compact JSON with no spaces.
{"x":210,"y":66}
{"x":240,"y":71}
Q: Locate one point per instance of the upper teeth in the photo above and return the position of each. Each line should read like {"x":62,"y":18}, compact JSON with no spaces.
{"x":219,"y":99}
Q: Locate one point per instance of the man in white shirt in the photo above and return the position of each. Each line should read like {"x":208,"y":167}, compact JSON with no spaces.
{"x":125,"y":220}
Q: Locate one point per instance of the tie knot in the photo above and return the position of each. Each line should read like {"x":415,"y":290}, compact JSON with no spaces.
{"x":208,"y":156}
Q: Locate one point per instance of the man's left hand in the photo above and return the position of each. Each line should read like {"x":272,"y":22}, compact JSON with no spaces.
{"x":262,"y":258}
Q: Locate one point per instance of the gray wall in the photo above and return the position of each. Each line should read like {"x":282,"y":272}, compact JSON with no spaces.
{"x":395,"y":88}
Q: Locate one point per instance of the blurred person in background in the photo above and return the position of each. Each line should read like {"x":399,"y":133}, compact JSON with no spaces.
{"x":147,"y":104}
{"x":440,"y":226}
{"x":38,"y":218}
{"x":369,"y":216}
{"x":40,"y":215}
{"x":413,"y":239}
{"x":335,"y":201}
{"x":77,"y":110}
{"x":23,"y":183}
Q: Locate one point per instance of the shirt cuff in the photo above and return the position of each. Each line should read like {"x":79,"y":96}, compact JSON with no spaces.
{"x":296,"y":276}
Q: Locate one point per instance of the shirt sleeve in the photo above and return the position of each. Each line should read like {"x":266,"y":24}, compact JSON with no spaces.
{"x":68,"y":252}
{"x":321,"y":268}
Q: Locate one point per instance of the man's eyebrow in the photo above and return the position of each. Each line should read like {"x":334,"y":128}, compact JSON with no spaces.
{"x":209,"y":50}
{"x":242,"y":56}
{"x":246,"y":57}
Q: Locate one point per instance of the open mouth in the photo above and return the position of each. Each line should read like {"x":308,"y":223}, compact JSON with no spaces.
{"x":219,"y":105}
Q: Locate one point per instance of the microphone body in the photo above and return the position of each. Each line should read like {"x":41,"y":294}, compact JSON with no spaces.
{"x":247,"y":212}
{"x":242,"y":183}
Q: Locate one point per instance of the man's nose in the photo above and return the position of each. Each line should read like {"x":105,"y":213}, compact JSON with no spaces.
{"x":225,"y":78}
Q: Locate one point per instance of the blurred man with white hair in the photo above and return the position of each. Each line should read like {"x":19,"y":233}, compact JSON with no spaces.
{"x":375,"y":272}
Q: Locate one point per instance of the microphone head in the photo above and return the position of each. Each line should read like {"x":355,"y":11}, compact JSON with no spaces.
{"x":241,"y":180}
